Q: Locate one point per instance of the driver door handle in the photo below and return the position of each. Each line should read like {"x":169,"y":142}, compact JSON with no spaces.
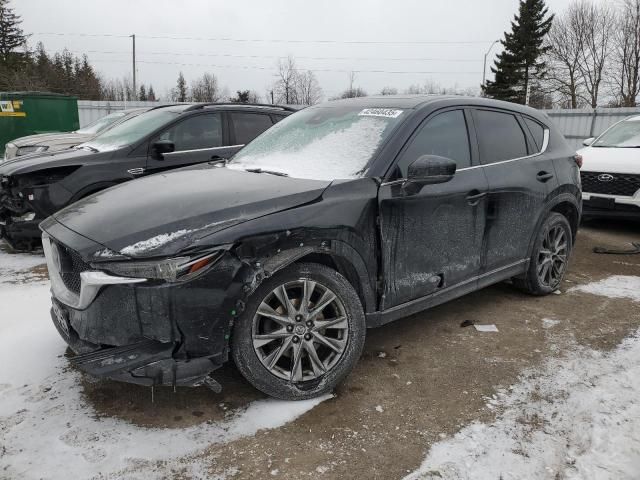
{"x":544,"y":176}
{"x":474,"y":197}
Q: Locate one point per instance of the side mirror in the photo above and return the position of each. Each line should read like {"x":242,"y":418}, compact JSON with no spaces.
{"x":588,"y":141}
{"x":429,"y":170}
{"x":159,"y":148}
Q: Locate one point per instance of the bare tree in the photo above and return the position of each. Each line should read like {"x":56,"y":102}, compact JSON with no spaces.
{"x":284,"y":88}
{"x":353,"y":91}
{"x":206,"y":89}
{"x":566,"y":42}
{"x":625,"y":74}
{"x":294,"y":86}
{"x":389,"y":91}
{"x":597,"y":22}
{"x":308,"y":88}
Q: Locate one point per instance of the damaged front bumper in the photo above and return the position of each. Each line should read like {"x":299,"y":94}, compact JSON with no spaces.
{"x":142,"y":331}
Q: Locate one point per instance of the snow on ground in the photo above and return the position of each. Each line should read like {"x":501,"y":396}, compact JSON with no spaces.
{"x":46,"y":427}
{"x":576,"y":418}
{"x":617,"y":286}
{"x":18,"y":267}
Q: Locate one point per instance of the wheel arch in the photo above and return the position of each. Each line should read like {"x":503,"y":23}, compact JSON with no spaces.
{"x":565,"y":204}
{"x":91,"y":189}
{"x":338,"y":256}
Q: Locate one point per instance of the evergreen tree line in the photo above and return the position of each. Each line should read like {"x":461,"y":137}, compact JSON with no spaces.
{"x":68,"y":74}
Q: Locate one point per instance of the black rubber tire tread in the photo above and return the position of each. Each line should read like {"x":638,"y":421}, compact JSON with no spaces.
{"x":530,"y":282}
{"x":248,"y":362}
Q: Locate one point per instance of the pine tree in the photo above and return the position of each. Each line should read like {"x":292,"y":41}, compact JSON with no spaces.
{"x":142,"y":96}
{"x":11,"y":38}
{"x":180,"y":92}
{"x":151,"y":95}
{"x":520,"y":64}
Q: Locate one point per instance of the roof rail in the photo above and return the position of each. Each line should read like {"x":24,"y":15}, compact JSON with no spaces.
{"x":236,"y":104}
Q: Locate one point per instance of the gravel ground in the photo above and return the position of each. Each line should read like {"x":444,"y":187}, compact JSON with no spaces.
{"x":419,"y":402}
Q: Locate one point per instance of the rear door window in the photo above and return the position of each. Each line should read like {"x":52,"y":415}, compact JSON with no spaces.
{"x":195,"y":133}
{"x":248,"y":126}
{"x":444,"y":135}
{"x":500,"y":136}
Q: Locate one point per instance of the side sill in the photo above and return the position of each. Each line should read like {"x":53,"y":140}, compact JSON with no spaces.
{"x":378,"y":319}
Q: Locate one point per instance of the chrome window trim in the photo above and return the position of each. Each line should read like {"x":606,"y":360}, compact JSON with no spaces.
{"x":202,"y":150}
{"x":91,"y":282}
{"x":545,"y":146}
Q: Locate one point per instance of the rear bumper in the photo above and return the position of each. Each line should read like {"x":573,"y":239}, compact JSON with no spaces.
{"x":599,"y":205}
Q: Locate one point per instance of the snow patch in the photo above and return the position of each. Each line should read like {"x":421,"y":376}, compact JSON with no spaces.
{"x":577,"y":418}
{"x":153,"y":242}
{"x":617,"y":286}
{"x":17,"y":267}
{"x":549,"y":322}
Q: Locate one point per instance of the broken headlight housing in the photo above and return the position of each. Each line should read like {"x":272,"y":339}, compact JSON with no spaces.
{"x":175,"y":269}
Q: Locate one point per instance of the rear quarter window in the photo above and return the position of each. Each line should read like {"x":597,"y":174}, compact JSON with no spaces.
{"x":537,"y":132}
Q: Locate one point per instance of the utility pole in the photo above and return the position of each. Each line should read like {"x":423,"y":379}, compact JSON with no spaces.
{"x":135,"y":91}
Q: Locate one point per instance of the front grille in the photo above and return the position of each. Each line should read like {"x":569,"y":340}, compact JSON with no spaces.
{"x":72,"y":266}
{"x":623,"y":184}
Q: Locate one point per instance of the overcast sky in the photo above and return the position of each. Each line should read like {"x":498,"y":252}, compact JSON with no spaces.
{"x":240,"y":40}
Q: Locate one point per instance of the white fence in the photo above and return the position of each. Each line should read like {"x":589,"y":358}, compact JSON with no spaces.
{"x":90,"y":111}
{"x":577,"y":125}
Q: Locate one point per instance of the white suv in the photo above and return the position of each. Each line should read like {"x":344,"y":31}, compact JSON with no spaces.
{"x":611,"y":171}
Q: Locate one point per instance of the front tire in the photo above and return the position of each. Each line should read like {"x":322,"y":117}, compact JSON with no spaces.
{"x":301,"y":333}
{"x":550,"y":257}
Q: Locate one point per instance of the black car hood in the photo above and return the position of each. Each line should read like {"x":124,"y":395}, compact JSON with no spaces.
{"x":35,"y":162}
{"x":163,"y":214}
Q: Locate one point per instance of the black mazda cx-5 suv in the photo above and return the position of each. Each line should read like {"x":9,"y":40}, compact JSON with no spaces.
{"x":161,"y":139}
{"x":343,"y":216}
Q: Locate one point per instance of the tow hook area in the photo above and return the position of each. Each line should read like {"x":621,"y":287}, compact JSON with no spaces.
{"x":148,"y":363}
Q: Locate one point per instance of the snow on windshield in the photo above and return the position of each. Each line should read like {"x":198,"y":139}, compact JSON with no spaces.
{"x":319,"y":144}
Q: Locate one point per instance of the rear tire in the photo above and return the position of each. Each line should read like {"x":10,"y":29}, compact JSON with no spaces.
{"x":550,"y":257}
{"x":301,"y":333}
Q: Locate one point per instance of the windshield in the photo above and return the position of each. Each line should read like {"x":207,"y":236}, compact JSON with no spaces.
{"x":320,"y":143}
{"x":131,"y":131}
{"x":100,"y":124}
{"x":623,"y":135}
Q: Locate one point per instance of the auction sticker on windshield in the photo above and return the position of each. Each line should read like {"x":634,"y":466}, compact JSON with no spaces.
{"x":380,"y":112}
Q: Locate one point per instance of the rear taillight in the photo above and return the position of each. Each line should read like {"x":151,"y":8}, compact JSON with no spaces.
{"x":578,"y":159}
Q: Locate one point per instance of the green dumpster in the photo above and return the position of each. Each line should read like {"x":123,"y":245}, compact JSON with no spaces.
{"x":29,"y":113}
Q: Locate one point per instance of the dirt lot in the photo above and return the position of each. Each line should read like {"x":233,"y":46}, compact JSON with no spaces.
{"x":421,"y":379}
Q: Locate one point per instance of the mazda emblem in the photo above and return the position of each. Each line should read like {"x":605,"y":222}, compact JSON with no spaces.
{"x":605,"y":177}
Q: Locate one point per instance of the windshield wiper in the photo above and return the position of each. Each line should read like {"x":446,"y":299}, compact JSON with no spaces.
{"x":270,"y":172}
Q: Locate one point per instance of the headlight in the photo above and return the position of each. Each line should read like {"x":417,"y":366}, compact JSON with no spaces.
{"x":29,"y":149}
{"x":170,"y":270}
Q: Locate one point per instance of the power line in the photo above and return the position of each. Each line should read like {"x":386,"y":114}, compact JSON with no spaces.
{"x":266,"y":40}
{"x":257,"y":67}
{"x":229,"y":55}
